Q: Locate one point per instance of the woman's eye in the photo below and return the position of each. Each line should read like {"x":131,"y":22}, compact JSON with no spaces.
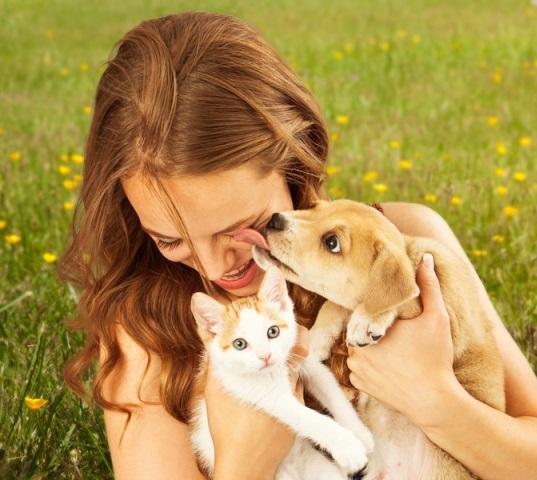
{"x":169,"y":245}
{"x":332,"y":243}
{"x":273,"y":331}
{"x":239,"y":344}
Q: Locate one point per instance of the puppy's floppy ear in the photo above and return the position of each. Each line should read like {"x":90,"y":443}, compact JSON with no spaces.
{"x":391,"y":281}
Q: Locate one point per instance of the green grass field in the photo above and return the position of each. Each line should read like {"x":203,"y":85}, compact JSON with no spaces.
{"x":429,"y":102}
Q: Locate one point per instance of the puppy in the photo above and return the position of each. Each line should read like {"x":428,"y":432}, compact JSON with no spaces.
{"x":353,"y":256}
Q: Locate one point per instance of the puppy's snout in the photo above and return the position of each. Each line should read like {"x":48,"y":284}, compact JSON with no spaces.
{"x":277,"y":222}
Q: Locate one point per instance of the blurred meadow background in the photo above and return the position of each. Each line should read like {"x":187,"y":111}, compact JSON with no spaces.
{"x":427,"y":101}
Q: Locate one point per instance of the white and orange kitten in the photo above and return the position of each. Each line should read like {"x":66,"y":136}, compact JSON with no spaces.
{"x":249,"y":342}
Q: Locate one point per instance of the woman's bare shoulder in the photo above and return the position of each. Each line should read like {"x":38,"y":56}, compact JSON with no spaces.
{"x":154,"y":444}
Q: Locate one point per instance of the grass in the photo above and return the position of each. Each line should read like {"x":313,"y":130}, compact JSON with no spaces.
{"x":418,"y":81}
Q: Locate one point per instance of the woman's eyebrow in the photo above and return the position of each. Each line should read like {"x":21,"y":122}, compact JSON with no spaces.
{"x":252,"y":218}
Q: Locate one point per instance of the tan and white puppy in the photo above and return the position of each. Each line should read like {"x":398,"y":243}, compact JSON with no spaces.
{"x":352,"y":255}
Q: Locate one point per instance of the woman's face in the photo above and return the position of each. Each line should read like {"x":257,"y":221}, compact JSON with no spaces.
{"x":214,"y":207}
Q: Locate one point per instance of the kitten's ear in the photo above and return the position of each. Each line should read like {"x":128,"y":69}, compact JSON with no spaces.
{"x":273,"y":288}
{"x":207,"y":312}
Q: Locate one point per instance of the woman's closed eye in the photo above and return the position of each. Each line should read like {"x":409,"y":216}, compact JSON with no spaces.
{"x":179,"y":241}
{"x":169,"y":245}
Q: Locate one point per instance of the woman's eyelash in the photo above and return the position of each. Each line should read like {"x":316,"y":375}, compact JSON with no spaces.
{"x":169,"y":245}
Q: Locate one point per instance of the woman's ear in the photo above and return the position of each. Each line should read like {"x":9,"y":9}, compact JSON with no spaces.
{"x":391,"y":280}
{"x":207,"y":312}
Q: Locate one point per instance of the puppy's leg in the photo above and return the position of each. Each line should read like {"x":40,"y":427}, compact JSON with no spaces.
{"x":363,"y":329}
{"x":326,"y":329}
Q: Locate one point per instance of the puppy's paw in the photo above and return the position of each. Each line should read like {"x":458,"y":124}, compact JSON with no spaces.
{"x":363,"y":329}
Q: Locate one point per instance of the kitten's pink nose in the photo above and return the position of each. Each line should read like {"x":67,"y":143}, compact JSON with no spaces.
{"x":265,"y":358}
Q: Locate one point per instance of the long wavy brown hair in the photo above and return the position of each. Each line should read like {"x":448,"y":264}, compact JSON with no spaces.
{"x":181,"y":94}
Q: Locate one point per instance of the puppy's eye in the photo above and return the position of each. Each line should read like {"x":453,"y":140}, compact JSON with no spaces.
{"x":331,"y":242}
{"x":239,"y":344}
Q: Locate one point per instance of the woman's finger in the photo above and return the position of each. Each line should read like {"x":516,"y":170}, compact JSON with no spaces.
{"x":301,"y":348}
{"x":430,"y":292}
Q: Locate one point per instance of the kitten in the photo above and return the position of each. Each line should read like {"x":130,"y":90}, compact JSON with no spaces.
{"x":249,"y":342}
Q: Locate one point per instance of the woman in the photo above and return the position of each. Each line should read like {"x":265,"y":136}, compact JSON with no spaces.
{"x":201,"y":130}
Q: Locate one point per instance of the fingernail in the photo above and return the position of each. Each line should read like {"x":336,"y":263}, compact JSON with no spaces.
{"x":428,"y":260}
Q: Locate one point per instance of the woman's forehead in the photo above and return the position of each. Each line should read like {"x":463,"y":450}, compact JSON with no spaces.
{"x":208,"y":203}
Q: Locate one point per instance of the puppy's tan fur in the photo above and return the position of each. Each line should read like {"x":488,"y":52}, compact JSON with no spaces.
{"x":369,"y":283}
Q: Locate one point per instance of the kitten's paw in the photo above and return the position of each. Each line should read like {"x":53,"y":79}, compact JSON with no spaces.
{"x":363,"y":329}
{"x":348,"y":452}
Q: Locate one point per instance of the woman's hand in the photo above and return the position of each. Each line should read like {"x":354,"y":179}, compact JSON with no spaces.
{"x":248,"y":442}
{"x":414,"y":361}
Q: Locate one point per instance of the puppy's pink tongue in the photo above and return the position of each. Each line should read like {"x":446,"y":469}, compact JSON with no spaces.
{"x":252,"y":236}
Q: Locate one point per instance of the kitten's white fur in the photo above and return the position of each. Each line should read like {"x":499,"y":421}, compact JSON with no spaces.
{"x":243,"y":374}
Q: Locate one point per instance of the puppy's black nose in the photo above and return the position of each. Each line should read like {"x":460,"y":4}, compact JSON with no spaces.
{"x":277,"y":222}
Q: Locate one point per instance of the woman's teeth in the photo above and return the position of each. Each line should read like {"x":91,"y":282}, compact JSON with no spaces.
{"x":238,"y":272}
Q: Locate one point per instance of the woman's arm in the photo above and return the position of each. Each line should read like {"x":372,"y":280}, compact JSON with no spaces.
{"x":493,"y":444}
{"x":155,"y":444}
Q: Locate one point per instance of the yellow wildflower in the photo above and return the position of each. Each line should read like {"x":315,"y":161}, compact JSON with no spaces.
{"x":498,"y":238}
{"x":501,"y":148}
{"x":405,"y":165}
{"x":501,"y":190}
{"x":334,"y":137}
{"x":64,"y":170}
{"x":349,"y":47}
{"x":493,"y":120}
{"x":394,"y":144}
{"x":64,"y":72}
{"x":401,"y":33}
{"x":63,"y":157}
{"x":380,"y":187}
{"x":49,"y":33}
{"x":455,"y":200}
{"x":69,"y":184}
{"x":416,"y":38}
{"x":15,"y":156}
{"x":370,"y":176}
{"x":342,"y":119}
{"x":430,"y":197}
{"x":49,"y":257}
{"x":12,"y":239}
{"x":336,"y":192}
{"x":480,"y":253}
{"x":35,"y":403}
{"x":84,"y":67}
{"x":500,"y":172}
{"x":2,"y":131}
{"x":3,"y":224}
{"x":68,"y":206}
{"x":77,"y":178}
{"x":332,"y":170}
{"x":496,"y":76}
{"x":385,"y":46}
{"x":510,"y":211}
{"x":525,"y":142}
{"x":520,"y":176}
{"x":77,"y":158}
{"x":338,"y":54}
{"x":87,"y":109}
{"x":446,"y":157}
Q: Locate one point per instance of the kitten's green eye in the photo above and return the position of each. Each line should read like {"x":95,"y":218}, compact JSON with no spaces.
{"x":273,"y":331}
{"x":239,"y":344}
